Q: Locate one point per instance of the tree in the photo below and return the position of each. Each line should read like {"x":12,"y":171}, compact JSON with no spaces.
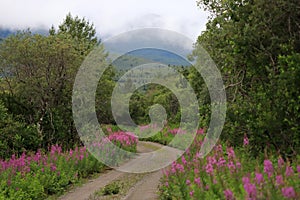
{"x":41,"y":73}
{"x":248,"y":40}
{"x":80,"y":30}
{"x":38,"y":76}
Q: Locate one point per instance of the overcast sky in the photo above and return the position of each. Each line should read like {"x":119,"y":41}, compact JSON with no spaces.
{"x":110,"y":17}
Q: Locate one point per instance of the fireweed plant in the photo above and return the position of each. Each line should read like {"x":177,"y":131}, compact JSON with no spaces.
{"x":38,"y":175}
{"x":228,"y":173}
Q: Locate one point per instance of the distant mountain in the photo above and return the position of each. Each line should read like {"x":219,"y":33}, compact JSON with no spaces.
{"x":5,"y":32}
{"x":149,"y":55}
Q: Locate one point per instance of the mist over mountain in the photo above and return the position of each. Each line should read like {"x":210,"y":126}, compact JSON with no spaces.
{"x":149,"y":55}
{"x":5,"y":32}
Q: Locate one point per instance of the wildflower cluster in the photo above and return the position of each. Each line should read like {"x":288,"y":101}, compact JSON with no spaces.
{"x":229,"y":174}
{"x":38,"y":175}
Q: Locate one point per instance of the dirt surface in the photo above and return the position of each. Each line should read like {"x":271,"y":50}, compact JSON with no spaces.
{"x":145,"y":187}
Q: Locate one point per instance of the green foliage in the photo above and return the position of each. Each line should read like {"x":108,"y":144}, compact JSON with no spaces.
{"x":38,"y":75}
{"x":80,"y":30}
{"x":229,"y":174}
{"x":40,"y":175}
{"x":16,"y":137}
{"x":103,"y":96}
{"x":255,"y":44}
{"x":110,"y":189}
{"x":41,"y":81}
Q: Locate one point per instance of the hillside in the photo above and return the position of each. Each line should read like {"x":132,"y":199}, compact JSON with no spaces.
{"x":149,"y":55}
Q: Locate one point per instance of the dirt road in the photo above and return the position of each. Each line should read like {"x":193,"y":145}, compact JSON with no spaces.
{"x":142,"y":186}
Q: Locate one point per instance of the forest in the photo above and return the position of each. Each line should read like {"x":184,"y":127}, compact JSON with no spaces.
{"x":255,"y":45}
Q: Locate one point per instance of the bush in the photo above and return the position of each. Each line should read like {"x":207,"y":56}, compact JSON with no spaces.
{"x":16,"y":137}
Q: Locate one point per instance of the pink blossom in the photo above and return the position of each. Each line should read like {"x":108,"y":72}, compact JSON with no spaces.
{"x":221,"y":162}
{"x":209,"y":169}
{"x":183,"y":160}
{"x":251,"y":190}
{"x":212,"y":160}
{"x":52,"y":167}
{"x":167,"y":184}
{"x":280,"y":162}
{"x":245,"y":180}
{"x":197,"y":181}
{"x":191,"y":193}
{"x":246,"y":140}
{"x":230,"y":153}
{"x":238,"y":164}
{"x":180,"y":167}
{"x":219,"y":148}
{"x":187,"y":182}
{"x":228,"y":194}
{"x":279,"y":180}
{"x":288,"y":192}
{"x":200,"y":131}
{"x":259,"y":178}
{"x":231,"y":166}
{"x":268,"y":167}
{"x":289,"y":171}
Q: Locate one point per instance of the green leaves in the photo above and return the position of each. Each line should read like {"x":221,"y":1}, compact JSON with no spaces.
{"x":254,"y":43}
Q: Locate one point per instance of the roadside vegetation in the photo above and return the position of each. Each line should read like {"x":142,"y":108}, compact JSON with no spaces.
{"x":255,"y":45}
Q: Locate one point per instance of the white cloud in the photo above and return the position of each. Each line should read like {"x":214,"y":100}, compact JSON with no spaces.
{"x":109,"y":16}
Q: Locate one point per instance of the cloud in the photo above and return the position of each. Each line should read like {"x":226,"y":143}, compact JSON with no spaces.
{"x":110,"y":17}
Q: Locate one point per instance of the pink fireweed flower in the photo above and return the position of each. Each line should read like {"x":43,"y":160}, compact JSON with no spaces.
{"x":71,"y":152}
{"x":37,"y":156}
{"x":251,"y":190}
{"x":197,"y":181}
{"x":228,"y":194}
{"x":221,"y":162}
{"x":183,"y":160}
{"x":245,"y":180}
{"x":280,"y":162}
{"x":289,"y":171}
{"x":173,"y":167}
{"x":279,"y":180}
{"x":246,"y":140}
{"x":259,"y":178}
{"x":212,"y":160}
{"x":179,"y":167}
{"x":166,"y":173}
{"x":231,"y":166}
{"x":109,"y":129}
{"x":238,"y":165}
{"x":191,"y":193}
{"x":8,"y":182}
{"x":268,"y":167}
{"x":288,"y":192}
{"x":52,"y":167}
{"x":81,"y":157}
{"x":198,"y":155}
{"x":188,"y":182}
{"x":230,"y":153}
{"x":200,"y":131}
{"x":167,"y":184}
{"x":219,"y":148}
{"x":209,"y":169}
